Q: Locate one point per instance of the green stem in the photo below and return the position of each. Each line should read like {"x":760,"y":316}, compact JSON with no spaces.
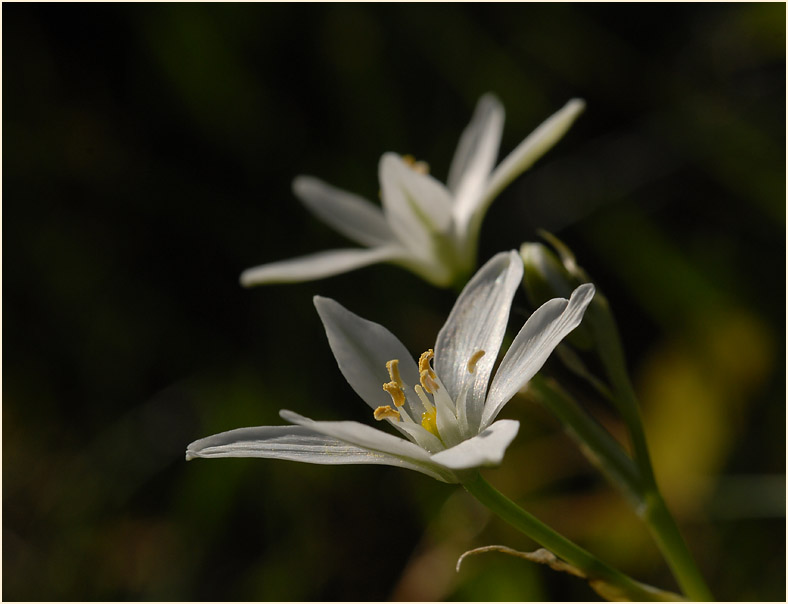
{"x":670,"y":542}
{"x":654,"y":512}
{"x":612,"y":356}
{"x":603,"y":451}
{"x":658,"y":518}
{"x":605,"y":580}
{"x":594,"y":441}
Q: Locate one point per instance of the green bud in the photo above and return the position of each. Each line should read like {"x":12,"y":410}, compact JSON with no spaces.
{"x":548,"y":276}
{"x":555,"y":272}
{"x":545,"y":277}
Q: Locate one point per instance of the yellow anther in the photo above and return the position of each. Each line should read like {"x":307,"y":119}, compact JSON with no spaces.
{"x":397,"y":395}
{"x":424,"y":362}
{"x":428,"y":382}
{"x":474,"y":359}
{"x":421,"y":167}
{"x":384,"y":412}
{"x":429,"y":421}
{"x":393,"y":368}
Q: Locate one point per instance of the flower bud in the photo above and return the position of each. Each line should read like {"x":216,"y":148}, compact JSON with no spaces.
{"x":545,"y":276}
{"x":549,"y":275}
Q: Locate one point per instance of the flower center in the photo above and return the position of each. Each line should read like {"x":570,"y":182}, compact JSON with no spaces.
{"x":429,"y":421}
{"x":430,"y":383}
{"x":396,"y":389}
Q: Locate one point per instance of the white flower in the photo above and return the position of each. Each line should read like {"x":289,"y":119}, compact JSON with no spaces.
{"x":429,"y":228}
{"x":440,"y":404}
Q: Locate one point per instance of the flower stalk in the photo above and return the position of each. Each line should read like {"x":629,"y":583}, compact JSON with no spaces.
{"x":608,"y":582}
{"x":654,"y":510}
{"x":545,"y":272}
{"x":597,"y":444}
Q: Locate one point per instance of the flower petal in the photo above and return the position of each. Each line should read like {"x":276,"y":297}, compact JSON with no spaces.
{"x":533,"y":147}
{"x":373,"y":440}
{"x":362,"y":348}
{"x":542,"y":332}
{"x":351,"y":215}
{"x":475,"y":158}
{"x":294,"y":443}
{"x":359,"y":434}
{"x":485,"y":449}
{"x":423,"y":438}
{"x":318,"y":266}
{"x":477,"y":322}
{"x":416,"y":205}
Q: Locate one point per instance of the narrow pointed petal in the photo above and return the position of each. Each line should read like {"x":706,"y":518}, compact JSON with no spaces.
{"x":295,"y":443}
{"x":318,"y":266}
{"x":360,"y":435}
{"x":349,"y":214}
{"x":416,"y":205}
{"x":276,"y":442}
{"x":366,"y":437}
{"x":485,"y":449}
{"x":475,"y":158}
{"x":539,"y":142}
{"x":362,"y":348}
{"x":477,"y":322}
{"x":542,"y":332}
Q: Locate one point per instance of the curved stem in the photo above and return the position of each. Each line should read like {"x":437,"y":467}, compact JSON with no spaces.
{"x":654,"y":511}
{"x":594,"y":441}
{"x":605,"y":580}
{"x":669,"y":540}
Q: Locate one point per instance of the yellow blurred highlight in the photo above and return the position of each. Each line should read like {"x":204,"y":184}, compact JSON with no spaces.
{"x":693,"y":391}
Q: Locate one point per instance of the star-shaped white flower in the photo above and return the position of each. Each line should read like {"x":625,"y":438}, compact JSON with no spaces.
{"x":429,"y":228}
{"x":441,"y":404}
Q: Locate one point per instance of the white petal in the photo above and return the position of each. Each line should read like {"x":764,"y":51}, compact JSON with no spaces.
{"x":475,"y":158}
{"x":362,"y":348}
{"x":425,"y":439}
{"x":533,"y":147}
{"x":477,"y":322}
{"x":318,"y":266}
{"x":360,"y":435}
{"x":295,"y":443}
{"x":278,"y":442}
{"x":417,"y":206}
{"x":351,"y":215}
{"x":372,"y":439}
{"x":485,"y":449}
{"x":542,"y":332}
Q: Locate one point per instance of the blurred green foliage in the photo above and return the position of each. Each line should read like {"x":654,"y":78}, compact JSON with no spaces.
{"x":148,"y":156}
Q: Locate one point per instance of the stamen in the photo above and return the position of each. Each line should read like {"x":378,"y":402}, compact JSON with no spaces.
{"x":429,"y":421}
{"x":384,"y":412}
{"x":397,"y":395}
{"x":421,"y":167}
{"x":474,"y":359}
{"x":428,"y":381}
{"x":424,"y":362}
{"x":393,"y":368}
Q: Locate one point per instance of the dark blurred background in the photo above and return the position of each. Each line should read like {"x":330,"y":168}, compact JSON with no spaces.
{"x":148,"y":155}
